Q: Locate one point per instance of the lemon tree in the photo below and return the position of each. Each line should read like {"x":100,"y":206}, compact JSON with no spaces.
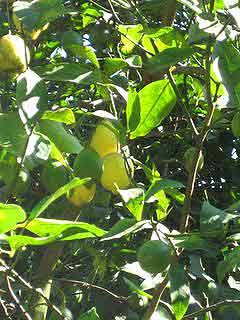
{"x":87,"y":164}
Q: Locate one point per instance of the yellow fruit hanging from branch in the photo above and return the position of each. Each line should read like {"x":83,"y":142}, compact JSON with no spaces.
{"x":105,"y":139}
{"x":14,"y":55}
{"x":115,"y":173}
{"x":83,"y":194}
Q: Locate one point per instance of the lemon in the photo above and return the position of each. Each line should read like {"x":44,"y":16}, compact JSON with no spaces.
{"x":105,"y":139}
{"x":83,"y":194}
{"x":189,"y":156}
{"x":154,"y":256}
{"x":87,"y":164}
{"x":114,"y":173}
{"x":13,"y":54}
{"x":54,"y":176}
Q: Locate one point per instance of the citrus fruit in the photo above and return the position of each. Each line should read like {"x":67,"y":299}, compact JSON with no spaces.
{"x":114,"y":173}
{"x":87,"y":164}
{"x":54,"y":176}
{"x":83,"y":194}
{"x":23,"y":183}
{"x":12,"y":54}
{"x":105,"y":139}
{"x":154,"y":256}
{"x":236,"y":124}
{"x":189,"y":156}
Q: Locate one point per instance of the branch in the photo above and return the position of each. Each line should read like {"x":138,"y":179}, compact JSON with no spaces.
{"x":90,"y":285}
{"x":186,"y":210}
{"x":17,"y":301}
{"x":155,"y":300}
{"x":210,"y":308}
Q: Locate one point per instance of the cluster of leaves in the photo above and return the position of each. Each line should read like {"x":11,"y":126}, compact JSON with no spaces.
{"x":172,"y":87}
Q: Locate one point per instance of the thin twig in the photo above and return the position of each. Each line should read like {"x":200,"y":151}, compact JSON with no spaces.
{"x":17,"y":301}
{"x":181,"y":101}
{"x":186,"y":210}
{"x":155,"y":300}
{"x":90,"y":285}
{"x":114,"y":12}
{"x":210,"y":308}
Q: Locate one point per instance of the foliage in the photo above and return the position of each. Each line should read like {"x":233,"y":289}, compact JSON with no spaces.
{"x":146,"y":79}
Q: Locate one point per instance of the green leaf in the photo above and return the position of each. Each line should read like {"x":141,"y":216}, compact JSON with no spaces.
{"x":213,"y":221}
{"x":179,"y":290}
{"x":63,"y":115}
{"x":125,"y":227}
{"x":63,"y":140}
{"x":132,"y":110}
{"x":10,"y":215}
{"x":112,"y":65}
{"x":227,"y":68}
{"x":89,"y":315}
{"x":156,"y":101}
{"x":52,"y":227}
{"x":89,"y":14}
{"x":231,"y":261}
{"x":45,"y":202}
{"x":84,"y":74}
{"x":73,"y":41}
{"x":31,"y":96}
{"x":168,"y":58}
{"x":162,"y":184}
{"x":134,"y":201}
{"x":132,"y":32}
{"x":12,"y":133}
{"x":35,"y":14}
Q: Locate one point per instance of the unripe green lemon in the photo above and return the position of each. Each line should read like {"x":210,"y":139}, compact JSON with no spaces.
{"x":189,"y":156}
{"x":105,"y":139}
{"x":88,"y":164}
{"x":23,"y":183}
{"x":82,"y":195}
{"x":236,"y":124}
{"x":154,"y":256}
{"x":54,"y":176}
{"x":12,"y":54}
{"x":114,"y":173}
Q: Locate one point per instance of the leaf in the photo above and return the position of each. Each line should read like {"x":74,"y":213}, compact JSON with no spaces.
{"x":231,"y":261}
{"x":156,"y":101}
{"x":63,"y":140}
{"x":10,"y":215}
{"x":132,"y":32}
{"x":226,"y":65}
{"x":73,"y":41}
{"x":134,"y":201}
{"x":132,"y":110}
{"x":45,"y":202}
{"x":168,"y":58}
{"x":179,"y":290}
{"x":31,"y":96}
{"x":213,"y":221}
{"x":63,"y":115}
{"x":12,"y":133}
{"x":35,"y":14}
{"x":89,"y":315}
{"x":84,"y":74}
{"x":52,"y":227}
{"x":112,"y":65}
{"x":162,"y":184}
{"x":125,"y":227}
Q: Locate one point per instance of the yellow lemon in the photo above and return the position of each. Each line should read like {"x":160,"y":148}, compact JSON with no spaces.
{"x":83,"y":194}
{"x":114,"y":173}
{"x":13,"y":54}
{"x":105,"y":139}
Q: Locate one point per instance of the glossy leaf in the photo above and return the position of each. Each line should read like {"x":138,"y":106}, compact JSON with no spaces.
{"x":10,"y":215}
